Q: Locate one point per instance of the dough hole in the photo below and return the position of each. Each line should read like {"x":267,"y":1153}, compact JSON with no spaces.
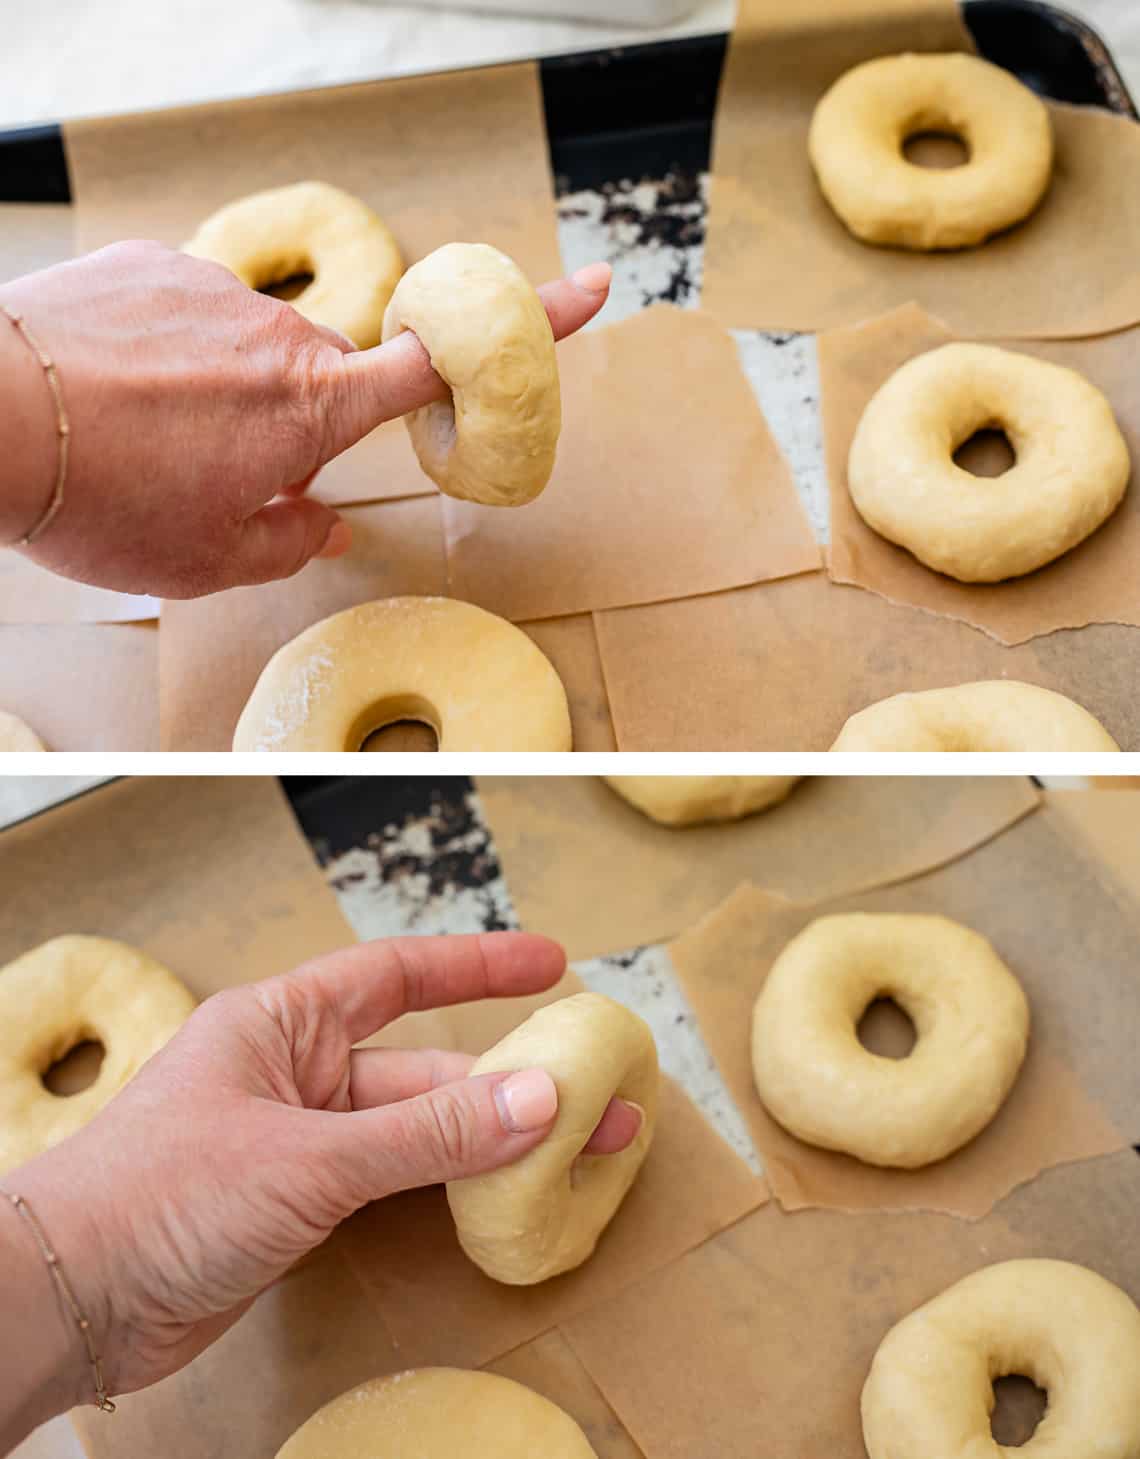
{"x":288,"y":288}
{"x":404,"y":724}
{"x":76,"y":1070}
{"x":937,"y":149}
{"x":406,"y":737}
{"x":1019,"y":1406}
{"x":886,"y":1029}
{"x":988,"y":452}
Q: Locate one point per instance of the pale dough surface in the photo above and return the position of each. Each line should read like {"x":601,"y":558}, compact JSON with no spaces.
{"x":544,"y":1214}
{"x":16,"y":736}
{"x":1076,"y":1335}
{"x":310,"y":228}
{"x":484,"y":326}
{"x":993,"y":715}
{"x":813,"y":1075}
{"x":56,"y":996}
{"x":439,"y":1413}
{"x":479,"y":681}
{"x":688,"y":800}
{"x":862,"y":122}
{"x":1071,"y":471}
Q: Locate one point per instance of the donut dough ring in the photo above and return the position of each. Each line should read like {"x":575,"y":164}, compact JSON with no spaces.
{"x":58,"y":995}
{"x":439,"y":1413}
{"x":477,"y":680}
{"x":17,"y":737}
{"x":860,"y":126}
{"x":544,"y":1214}
{"x":310,"y":227}
{"x":996,"y":715}
{"x":930,"y":1388}
{"x":818,"y":1081}
{"x":689,"y":800}
{"x":1071,"y":470}
{"x":485,"y":328}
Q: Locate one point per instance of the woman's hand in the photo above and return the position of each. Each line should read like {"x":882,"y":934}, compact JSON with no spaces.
{"x":200,"y":411}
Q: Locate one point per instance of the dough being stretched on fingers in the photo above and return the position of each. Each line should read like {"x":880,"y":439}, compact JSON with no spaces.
{"x":689,"y":800}
{"x":17,"y":737}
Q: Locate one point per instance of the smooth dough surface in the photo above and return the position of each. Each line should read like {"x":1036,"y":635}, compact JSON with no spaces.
{"x":16,"y":736}
{"x":439,"y":1413}
{"x":544,"y":1214}
{"x":58,"y":995}
{"x":993,"y":715}
{"x":310,"y":228}
{"x":479,"y":681}
{"x":1076,"y":1335}
{"x":687,"y":800}
{"x":862,"y":122}
{"x":814,"y":1076}
{"x":484,"y":326}
{"x":1071,"y":470}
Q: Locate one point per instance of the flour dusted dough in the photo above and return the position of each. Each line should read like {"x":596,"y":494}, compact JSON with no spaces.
{"x":544,"y":1214}
{"x":310,"y":228}
{"x":439,"y":1413}
{"x":484,"y":326}
{"x":58,"y":995}
{"x":1071,"y":471}
{"x":993,"y":715}
{"x":861,"y":124}
{"x":16,"y":736}
{"x":479,"y":681}
{"x":687,"y":800}
{"x":970,"y":1015}
{"x":930,"y":1388}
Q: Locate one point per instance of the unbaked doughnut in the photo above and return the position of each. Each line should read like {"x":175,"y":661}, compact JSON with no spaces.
{"x":995,"y":715}
{"x":687,"y":800}
{"x":61,"y":994}
{"x":310,"y":228}
{"x":477,"y":680}
{"x":861,"y":124}
{"x":1074,"y":1334}
{"x":439,"y":1413}
{"x":815,"y":1077}
{"x":1071,"y":470}
{"x":17,"y":736}
{"x":484,"y":326}
{"x":544,"y":1214}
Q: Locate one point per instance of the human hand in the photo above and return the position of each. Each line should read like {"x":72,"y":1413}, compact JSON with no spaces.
{"x":200,"y":411}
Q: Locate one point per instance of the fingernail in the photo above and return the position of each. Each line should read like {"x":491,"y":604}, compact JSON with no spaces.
{"x":594,"y":278}
{"x":338,"y":541}
{"x":638,"y":1111}
{"x":526,"y":1101}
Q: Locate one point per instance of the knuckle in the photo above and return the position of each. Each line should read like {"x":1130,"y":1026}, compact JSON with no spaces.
{"x":451,"y":1129}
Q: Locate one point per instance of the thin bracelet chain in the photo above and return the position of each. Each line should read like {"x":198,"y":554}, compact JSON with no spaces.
{"x":48,"y":1253}
{"x":63,"y":426}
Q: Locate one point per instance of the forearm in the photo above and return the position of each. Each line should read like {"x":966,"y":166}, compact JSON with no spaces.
{"x":28,"y":429}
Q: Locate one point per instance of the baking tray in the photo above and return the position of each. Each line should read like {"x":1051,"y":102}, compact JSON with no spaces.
{"x":647,"y":110}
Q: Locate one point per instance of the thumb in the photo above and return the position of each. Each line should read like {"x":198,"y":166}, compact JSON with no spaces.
{"x":280,"y":539}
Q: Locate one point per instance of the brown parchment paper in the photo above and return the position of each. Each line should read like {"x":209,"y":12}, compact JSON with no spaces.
{"x":759,"y":1342}
{"x":778,"y":257}
{"x":585,"y":867}
{"x":571,"y":645}
{"x":1107,"y":825}
{"x":83,"y":686}
{"x":668,"y":482}
{"x":781,"y":666}
{"x":1094,"y":583}
{"x":31,"y":594}
{"x":34,"y":236}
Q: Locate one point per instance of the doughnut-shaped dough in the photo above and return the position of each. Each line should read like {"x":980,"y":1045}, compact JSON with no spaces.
{"x":860,"y":127}
{"x":58,"y":995}
{"x":1072,"y":465}
{"x":687,"y":800}
{"x":476,"y":679}
{"x":994,"y":715}
{"x":310,"y":228}
{"x":484,"y":326}
{"x":439,"y":1413}
{"x":815,"y":1077}
{"x":930,"y":1388}
{"x":16,"y":736}
{"x":544,"y":1214}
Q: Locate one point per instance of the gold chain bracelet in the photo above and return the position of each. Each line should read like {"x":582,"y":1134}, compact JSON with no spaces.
{"x":63,"y":427}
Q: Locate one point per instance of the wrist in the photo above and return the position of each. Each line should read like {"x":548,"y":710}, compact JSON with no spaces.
{"x":29,"y":432}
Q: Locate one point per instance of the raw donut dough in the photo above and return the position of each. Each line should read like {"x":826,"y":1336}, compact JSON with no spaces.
{"x":1071,"y":471}
{"x":995,"y":715}
{"x":815,"y":1077}
{"x":861,"y":124}
{"x":544,"y":1214}
{"x":477,"y":680}
{"x":58,"y":995}
{"x":484,"y":326}
{"x":439,"y":1413}
{"x":687,"y":800}
{"x":310,"y":228}
{"x":16,"y":736}
{"x":930,"y":1388}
